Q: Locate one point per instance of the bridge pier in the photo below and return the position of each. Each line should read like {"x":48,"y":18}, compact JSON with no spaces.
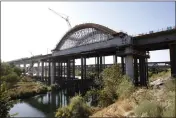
{"x":138,"y":74}
{"x":52,"y":72}
{"x":143,"y":71}
{"x":32,"y":70}
{"x":38,"y":69}
{"x":42,"y":74}
{"x":103,"y":62}
{"x":97,"y":65}
{"x":136,"y":71}
{"x":115,"y":59}
{"x":73,"y":67}
{"x":85,"y":74}
{"x":24,"y":68}
{"x":129,"y":66}
{"x":123,"y":65}
{"x":49,"y":72}
{"x":173,"y":59}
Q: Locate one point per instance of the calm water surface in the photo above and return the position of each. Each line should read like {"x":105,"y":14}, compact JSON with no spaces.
{"x":41,"y":105}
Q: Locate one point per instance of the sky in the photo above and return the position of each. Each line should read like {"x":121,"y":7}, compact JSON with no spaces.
{"x":30,"y":28}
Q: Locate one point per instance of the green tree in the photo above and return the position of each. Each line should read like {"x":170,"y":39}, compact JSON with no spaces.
{"x":5,"y":69}
{"x":5,"y":104}
{"x":17,"y":70}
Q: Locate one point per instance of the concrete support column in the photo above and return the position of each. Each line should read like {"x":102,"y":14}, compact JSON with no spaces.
{"x":42,"y":74}
{"x":115,"y":59}
{"x":122,"y":65}
{"x":49,"y":73}
{"x":82,"y":73}
{"x":100,"y":64}
{"x":146,"y":66}
{"x":60,"y":72}
{"x":38,"y":69}
{"x":129,"y":63}
{"x":85,"y":68}
{"x":136,"y":74}
{"x":31,"y":66}
{"x":82,"y":68}
{"x":97,"y":65}
{"x":24,"y":69}
{"x":64,"y":70}
{"x":129,"y":66}
{"x":142,"y":66}
{"x":103,"y":61}
{"x":73,"y":68}
{"x":52,"y":72}
{"x":68,"y":69}
{"x":173,"y":59}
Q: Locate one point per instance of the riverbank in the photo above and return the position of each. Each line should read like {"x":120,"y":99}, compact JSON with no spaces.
{"x":22,"y":90}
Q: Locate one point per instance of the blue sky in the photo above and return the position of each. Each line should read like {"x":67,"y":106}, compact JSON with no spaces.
{"x":31,"y":27}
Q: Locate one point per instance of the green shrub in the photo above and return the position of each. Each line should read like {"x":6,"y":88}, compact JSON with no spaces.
{"x":79,"y":108}
{"x":100,"y":97}
{"x":125,"y":88}
{"x":12,"y":78}
{"x":149,"y":109}
{"x":105,"y":99}
{"x":63,"y":112}
{"x":111,"y":78}
{"x":5,"y":69}
{"x":17,"y":70}
{"x":91,"y":75}
{"x":113,"y":85}
{"x":76,"y":109}
{"x":93,"y":96}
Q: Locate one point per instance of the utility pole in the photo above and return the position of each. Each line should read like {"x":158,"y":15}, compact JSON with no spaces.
{"x":62,"y":16}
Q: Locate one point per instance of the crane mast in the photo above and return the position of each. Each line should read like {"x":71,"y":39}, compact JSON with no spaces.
{"x":65,"y":18}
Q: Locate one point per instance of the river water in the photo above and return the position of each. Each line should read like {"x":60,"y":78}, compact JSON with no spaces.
{"x":43,"y":105}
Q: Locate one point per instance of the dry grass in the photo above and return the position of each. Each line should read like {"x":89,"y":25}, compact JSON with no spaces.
{"x":161,"y":75}
{"x":118,"y":109}
{"x":163,"y":97}
{"x":26,"y":89}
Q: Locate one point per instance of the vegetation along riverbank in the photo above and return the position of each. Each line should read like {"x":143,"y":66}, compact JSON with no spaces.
{"x":13,"y":85}
{"x":117,"y":97}
{"x":114,"y":95}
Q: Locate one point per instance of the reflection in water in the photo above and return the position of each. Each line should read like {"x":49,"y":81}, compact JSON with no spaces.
{"x":41,"y":105}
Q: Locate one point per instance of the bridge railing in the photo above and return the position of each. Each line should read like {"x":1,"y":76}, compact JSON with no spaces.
{"x":152,"y":31}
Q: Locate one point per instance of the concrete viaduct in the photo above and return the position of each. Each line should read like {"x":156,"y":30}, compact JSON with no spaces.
{"x":94,"y":40}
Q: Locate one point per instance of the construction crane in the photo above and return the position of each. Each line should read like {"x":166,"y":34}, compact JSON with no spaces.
{"x":62,"y":16}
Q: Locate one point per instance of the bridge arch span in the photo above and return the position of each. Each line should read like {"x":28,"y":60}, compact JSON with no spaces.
{"x":84,"y":34}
